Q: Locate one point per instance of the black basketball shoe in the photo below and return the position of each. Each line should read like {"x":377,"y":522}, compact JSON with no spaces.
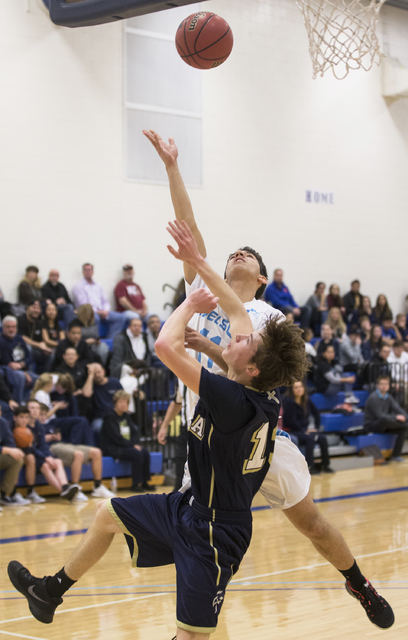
{"x":40,"y":603}
{"x":377,"y":609}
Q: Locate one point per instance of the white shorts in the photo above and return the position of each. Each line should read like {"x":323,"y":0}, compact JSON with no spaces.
{"x":288,"y":479}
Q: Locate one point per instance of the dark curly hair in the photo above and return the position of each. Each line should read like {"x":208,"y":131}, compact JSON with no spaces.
{"x":281,"y":356}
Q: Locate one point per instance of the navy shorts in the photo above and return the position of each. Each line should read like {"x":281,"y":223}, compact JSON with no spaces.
{"x":164,"y":529}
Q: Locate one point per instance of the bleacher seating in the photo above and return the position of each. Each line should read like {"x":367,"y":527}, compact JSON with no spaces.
{"x":111,"y":468}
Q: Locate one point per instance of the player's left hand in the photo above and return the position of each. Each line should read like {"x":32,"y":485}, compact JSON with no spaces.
{"x":187,"y":246}
{"x":203,"y":301}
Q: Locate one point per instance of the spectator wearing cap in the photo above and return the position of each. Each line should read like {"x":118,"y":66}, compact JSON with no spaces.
{"x":54,"y":291}
{"x":129,"y":297}
{"x":30,"y":286}
{"x":87,"y":291}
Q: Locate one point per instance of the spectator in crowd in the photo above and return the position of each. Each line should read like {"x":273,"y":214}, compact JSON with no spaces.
{"x":301,"y":418}
{"x":11,"y":461}
{"x":334,"y":299}
{"x":7,"y":404}
{"x":54,"y":291}
{"x":71,"y":366}
{"x":327,"y":338}
{"x":129,"y":345}
{"x":89,"y":332}
{"x":352,"y":300}
{"x":383,"y":414}
{"x":15,"y":360}
{"x":73,"y":456}
{"x":335,"y":321}
{"x":378,"y":365}
{"x":120,"y":439}
{"x":39,"y":458}
{"x":30,"y":328}
{"x":101,"y":390}
{"x":365,"y":309}
{"x":374,"y":344}
{"x":318,"y":306}
{"x":74,"y":339}
{"x":133,"y":375}
{"x":351,"y":357}
{"x":329,"y":378}
{"x":389,"y":331}
{"x":398,"y":361}
{"x":130,"y":300}
{"x":87,"y":291}
{"x":74,"y":429}
{"x":30,"y":286}
{"x":152,"y":332}
{"x":365,"y":328}
{"x":382,"y":309}
{"x":401,"y":324}
{"x":6,"y":308}
{"x":279,"y":296}
{"x":51,"y":330}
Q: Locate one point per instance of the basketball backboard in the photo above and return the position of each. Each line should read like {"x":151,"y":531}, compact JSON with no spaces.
{"x":85,"y":13}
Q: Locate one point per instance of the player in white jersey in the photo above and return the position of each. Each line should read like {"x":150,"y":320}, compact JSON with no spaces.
{"x":286,"y":485}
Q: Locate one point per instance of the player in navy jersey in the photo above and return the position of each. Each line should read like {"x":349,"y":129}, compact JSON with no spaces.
{"x":286,"y":485}
{"x":205,"y":531}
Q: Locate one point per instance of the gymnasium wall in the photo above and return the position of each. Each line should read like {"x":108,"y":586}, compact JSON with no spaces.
{"x":271,"y":134}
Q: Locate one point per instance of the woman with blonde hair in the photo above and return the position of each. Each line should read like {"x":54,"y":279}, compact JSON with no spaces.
{"x":336,"y":322}
{"x":89,"y":332}
{"x":30,"y":286}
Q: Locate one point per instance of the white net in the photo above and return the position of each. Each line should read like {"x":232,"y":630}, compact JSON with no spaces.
{"x":341,"y":34}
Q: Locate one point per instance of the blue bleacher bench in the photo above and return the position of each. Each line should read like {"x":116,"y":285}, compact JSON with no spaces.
{"x":110,"y":468}
{"x":338,"y":422}
{"x":326,"y":404}
{"x":382,"y":440}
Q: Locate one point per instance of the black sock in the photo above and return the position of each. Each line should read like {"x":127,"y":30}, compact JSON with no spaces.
{"x":65,"y":486}
{"x":97,"y":484}
{"x":30,"y":488}
{"x":354,"y":577}
{"x":60,"y":583}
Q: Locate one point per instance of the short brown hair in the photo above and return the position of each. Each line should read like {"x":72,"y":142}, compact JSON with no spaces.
{"x":66,"y":381}
{"x":382,"y":378}
{"x":281,"y":356}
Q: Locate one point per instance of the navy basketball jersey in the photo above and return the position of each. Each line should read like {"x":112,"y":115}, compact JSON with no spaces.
{"x":231,"y":441}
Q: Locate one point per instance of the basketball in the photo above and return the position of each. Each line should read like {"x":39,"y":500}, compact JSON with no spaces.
{"x":23,"y":437}
{"x":204,"y":40}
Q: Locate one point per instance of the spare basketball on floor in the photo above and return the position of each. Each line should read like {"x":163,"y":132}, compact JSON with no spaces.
{"x":23,"y":437}
{"x":204,"y":40}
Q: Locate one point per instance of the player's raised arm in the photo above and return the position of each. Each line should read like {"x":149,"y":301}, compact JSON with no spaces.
{"x":169,"y":346}
{"x":168,"y":152}
{"x":190,"y":254}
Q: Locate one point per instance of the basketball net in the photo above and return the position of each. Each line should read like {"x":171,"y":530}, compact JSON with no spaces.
{"x":341,"y":34}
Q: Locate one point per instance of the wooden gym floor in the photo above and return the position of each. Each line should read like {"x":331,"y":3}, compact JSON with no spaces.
{"x":284,"y":589}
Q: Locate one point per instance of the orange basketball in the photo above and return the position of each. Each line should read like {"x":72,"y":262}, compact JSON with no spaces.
{"x":204,"y":40}
{"x":23,"y":437}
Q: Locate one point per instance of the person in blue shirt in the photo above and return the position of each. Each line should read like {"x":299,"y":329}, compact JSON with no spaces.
{"x":279,"y":296}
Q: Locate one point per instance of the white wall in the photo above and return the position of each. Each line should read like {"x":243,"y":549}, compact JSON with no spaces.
{"x":270,"y":133}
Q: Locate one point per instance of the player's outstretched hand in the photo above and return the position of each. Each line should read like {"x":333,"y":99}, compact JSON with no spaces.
{"x":187,"y":246}
{"x":202,"y":301}
{"x":168,"y":152}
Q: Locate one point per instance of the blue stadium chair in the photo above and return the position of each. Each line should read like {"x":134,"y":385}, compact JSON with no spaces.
{"x":339,"y":423}
{"x":382,"y":440}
